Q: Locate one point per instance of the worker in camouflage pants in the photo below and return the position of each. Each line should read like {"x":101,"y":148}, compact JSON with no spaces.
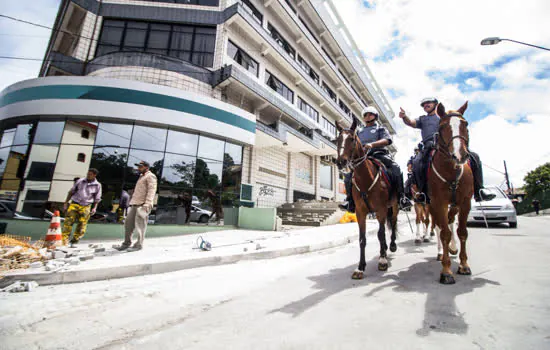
{"x":85,"y":195}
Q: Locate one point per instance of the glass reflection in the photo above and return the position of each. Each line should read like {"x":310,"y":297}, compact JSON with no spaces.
{"x":210,"y":148}
{"x":178,"y":170}
{"x":113,"y":135}
{"x":4,"y":155}
{"x":73,"y":161}
{"x":49,"y":132}
{"x":83,"y":133}
{"x":153,"y":158}
{"x":182,"y":143}
{"x":111,"y":163}
{"x":23,"y":134}
{"x":41,"y":163}
{"x":233,"y":154}
{"x":152,"y":139}
{"x":208,"y":175}
{"x":7,"y":138}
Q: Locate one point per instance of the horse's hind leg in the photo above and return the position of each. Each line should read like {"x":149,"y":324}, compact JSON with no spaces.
{"x":418,"y":212}
{"x":383,"y":260}
{"x":463,"y":268}
{"x":453,"y":249}
{"x":426,"y":237}
{"x":440,"y":215}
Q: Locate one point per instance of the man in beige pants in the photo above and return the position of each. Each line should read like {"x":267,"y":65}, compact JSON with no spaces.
{"x":141,"y":204}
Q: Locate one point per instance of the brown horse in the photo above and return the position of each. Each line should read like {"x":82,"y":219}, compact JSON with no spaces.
{"x":451,"y":186}
{"x":370,"y":193}
{"x":422,"y":211}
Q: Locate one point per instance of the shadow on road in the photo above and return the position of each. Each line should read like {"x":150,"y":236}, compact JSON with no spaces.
{"x":441,"y":313}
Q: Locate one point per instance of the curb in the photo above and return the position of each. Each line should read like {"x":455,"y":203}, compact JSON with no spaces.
{"x":63,"y":277}
{"x":100,"y":274}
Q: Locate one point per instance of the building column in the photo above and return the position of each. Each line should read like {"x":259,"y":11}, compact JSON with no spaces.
{"x":290,"y":178}
{"x":317,"y":176}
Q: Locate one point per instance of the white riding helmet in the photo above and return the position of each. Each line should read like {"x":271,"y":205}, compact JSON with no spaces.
{"x":370,"y":109}
{"x":428,"y":99}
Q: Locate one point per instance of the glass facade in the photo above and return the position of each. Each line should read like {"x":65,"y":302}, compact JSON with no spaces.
{"x":40,"y":161}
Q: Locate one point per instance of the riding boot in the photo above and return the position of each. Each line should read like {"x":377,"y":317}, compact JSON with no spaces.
{"x":480,"y":194}
{"x":349,"y":204}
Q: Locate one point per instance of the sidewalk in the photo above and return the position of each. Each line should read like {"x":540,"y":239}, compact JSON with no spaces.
{"x":161,"y":255}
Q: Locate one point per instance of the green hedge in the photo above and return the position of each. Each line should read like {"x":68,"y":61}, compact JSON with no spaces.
{"x":527,"y":207}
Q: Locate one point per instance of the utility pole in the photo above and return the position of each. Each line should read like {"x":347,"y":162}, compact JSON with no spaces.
{"x":507,"y":178}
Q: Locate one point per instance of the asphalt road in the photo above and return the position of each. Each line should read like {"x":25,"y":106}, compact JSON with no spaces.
{"x":308,"y":302}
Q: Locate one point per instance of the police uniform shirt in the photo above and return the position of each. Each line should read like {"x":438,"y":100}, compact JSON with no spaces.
{"x":374,"y":133}
{"x":429,"y":125}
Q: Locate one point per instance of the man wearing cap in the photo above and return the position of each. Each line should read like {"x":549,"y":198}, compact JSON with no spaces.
{"x":141,"y":205}
{"x":429,"y":126}
{"x":84,"y":193}
{"x":375,"y":138}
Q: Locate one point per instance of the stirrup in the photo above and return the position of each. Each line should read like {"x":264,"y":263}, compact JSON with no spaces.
{"x":483,"y":195}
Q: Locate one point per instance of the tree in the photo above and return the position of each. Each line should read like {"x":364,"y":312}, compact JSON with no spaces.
{"x":537,"y":180}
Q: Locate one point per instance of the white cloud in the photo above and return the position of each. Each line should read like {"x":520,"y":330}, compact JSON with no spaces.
{"x":443,"y":36}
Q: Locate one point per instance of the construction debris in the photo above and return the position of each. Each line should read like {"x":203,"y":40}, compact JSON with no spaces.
{"x":16,"y":252}
{"x":19,"y":286}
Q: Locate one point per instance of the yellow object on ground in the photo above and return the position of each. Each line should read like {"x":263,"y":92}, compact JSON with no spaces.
{"x":348,"y":217}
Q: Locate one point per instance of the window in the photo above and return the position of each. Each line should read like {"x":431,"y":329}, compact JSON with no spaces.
{"x":41,"y":171}
{"x":281,"y":41}
{"x":85,"y":134}
{"x":291,"y":7}
{"x":152,"y":139}
{"x":309,"y":30}
{"x":279,"y":87}
{"x":189,"y":2}
{"x":81,"y":158}
{"x":307,"y":109}
{"x":329,"y":58}
{"x":307,"y":68}
{"x":343,"y":76}
{"x":182,"y":143}
{"x":344,"y":107}
{"x":257,"y":15}
{"x":330,"y":92}
{"x":211,"y":148}
{"x":113,"y":135}
{"x":242,"y":58}
{"x":328,"y":126}
{"x":326,"y":176}
{"x":194,"y":44}
{"x":48,"y":132}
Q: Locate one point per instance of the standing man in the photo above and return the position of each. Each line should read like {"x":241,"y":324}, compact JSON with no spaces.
{"x":536,"y":205}
{"x":83,"y":194}
{"x":141,"y":205}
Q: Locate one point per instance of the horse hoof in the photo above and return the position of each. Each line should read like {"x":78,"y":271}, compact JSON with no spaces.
{"x":453,"y":252}
{"x":439,"y":257}
{"x":357,"y":275}
{"x":446,"y":279}
{"x":426,"y":240}
{"x":418,"y":241}
{"x":382,"y":267}
{"x":464,"y":270}
{"x":393,"y":247}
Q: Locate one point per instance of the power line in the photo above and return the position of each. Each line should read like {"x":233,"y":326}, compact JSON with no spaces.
{"x":490,"y":167}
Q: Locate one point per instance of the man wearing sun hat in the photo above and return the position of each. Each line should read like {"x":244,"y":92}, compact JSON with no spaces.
{"x":141,"y":205}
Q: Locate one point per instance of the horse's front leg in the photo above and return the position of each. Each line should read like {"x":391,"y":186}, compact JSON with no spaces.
{"x":426,"y":221}
{"x":453,"y":249}
{"x":440,"y":215}
{"x":463,"y":268}
{"x":362,"y":222}
{"x":418,"y":220}
{"x":383,"y":259}
{"x":393,"y":222}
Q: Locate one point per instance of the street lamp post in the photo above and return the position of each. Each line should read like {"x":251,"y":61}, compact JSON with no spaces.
{"x":495,"y":40}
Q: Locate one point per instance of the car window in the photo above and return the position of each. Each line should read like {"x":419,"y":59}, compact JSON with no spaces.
{"x":9,"y":205}
{"x":498,"y":193}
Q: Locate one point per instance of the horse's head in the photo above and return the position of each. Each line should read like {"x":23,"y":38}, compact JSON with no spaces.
{"x":348,"y":143}
{"x":453,"y":135}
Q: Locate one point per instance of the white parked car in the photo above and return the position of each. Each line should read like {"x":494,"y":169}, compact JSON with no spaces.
{"x":497,"y":210}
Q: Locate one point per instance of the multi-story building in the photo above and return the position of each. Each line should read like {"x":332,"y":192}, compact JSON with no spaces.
{"x":213,"y":93}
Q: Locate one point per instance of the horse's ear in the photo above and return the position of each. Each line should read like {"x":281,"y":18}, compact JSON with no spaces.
{"x":338,"y":126}
{"x":462,"y":109}
{"x":353,"y":125}
{"x":440,"y":110}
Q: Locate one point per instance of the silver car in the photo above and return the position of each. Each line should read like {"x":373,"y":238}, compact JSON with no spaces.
{"x":496,"y":211}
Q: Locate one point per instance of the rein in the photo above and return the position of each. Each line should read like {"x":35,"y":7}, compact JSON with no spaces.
{"x":453,"y":186}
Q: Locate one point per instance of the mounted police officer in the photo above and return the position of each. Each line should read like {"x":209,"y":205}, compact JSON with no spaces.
{"x":429,"y":126}
{"x":375,"y":138}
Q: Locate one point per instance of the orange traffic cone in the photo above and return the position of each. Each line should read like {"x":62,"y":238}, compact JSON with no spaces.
{"x":53,"y":237}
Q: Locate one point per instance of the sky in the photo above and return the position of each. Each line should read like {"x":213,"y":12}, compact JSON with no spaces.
{"x":415,"y":49}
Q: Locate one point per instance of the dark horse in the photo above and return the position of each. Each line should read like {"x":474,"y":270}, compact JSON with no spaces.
{"x":451,"y":183}
{"x":371,"y":194}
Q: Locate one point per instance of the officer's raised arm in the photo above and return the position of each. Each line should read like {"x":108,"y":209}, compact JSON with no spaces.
{"x":406,"y":119}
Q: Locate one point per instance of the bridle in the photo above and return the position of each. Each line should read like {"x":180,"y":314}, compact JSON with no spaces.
{"x":354,"y":163}
{"x":444,"y":147}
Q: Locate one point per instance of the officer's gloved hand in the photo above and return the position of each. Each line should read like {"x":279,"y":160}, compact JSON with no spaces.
{"x":420,"y":146}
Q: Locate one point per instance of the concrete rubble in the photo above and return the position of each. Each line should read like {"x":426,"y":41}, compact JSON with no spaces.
{"x":18,"y":286}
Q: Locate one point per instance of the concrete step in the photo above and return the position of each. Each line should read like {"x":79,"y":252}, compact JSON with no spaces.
{"x":302,"y":223}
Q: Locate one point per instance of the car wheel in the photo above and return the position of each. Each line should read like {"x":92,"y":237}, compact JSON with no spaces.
{"x":513,"y":224}
{"x":203,"y":219}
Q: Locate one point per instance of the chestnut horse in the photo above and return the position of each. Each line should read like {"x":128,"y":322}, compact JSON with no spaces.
{"x":370,"y":193}
{"x":451,"y":186}
{"x":422,"y":211}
